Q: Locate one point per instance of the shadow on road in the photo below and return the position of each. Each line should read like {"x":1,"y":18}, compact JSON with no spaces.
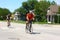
{"x":35,"y":33}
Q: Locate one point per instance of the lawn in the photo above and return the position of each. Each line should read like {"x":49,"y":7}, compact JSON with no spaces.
{"x":23,"y":22}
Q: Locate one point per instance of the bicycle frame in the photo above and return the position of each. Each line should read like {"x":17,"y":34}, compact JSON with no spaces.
{"x":29,"y":27}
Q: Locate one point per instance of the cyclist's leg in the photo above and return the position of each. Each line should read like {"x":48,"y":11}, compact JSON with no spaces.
{"x":27,"y":24}
{"x":30,"y":29}
{"x":8,"y":22}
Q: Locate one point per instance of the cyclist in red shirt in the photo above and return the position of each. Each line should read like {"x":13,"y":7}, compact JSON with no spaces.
{"x":29,"y":18}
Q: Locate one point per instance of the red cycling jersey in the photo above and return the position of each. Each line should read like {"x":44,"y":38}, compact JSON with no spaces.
{"x":30,"y":16}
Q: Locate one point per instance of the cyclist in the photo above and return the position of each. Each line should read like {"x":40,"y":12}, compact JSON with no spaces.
{"x":29,"y":18}
{"x":8,"y":19}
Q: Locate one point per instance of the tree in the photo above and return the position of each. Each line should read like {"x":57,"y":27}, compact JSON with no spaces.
{"x":29,"y":5}
{"x":41,"y":10}
{"x":4,"y":12}
{"x":32,"y":4}
{"x":39,"y":7}
{"x":26,"y":6}
{"x":59,"y":10}
{"x":53,"y":2}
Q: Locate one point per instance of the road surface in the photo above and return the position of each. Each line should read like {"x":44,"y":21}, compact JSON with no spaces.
{"x":40,"y":32}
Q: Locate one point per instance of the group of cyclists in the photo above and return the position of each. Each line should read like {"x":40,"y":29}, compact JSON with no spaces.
{"x":29,"y":19}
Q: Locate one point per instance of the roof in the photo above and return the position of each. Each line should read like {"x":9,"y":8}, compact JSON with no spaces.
{"x":53,"y":9}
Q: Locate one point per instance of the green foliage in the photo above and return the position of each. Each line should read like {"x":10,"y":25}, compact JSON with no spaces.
{"x":39,"y":7}
{"x":3,"y":13}
{"x":53,"y":2}
{"x":57,"y":19}
{"x":59,"y":10}
{"x":41,"y":10}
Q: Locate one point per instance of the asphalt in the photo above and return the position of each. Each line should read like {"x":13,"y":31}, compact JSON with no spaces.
{"x":40,"y":32}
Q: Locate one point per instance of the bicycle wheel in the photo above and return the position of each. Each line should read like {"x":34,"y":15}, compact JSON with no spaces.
{"x":8,"y":23}
{"x":27,"y":28}
{"x":30,"y":28}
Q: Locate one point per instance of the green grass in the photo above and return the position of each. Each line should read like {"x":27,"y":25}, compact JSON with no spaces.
{"x":23,"y":22}
{"x":40,"y":22}
{"x":20,"y":21}
{"x":3,"y":20}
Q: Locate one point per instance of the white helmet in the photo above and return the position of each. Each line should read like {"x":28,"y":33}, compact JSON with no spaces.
{"x":30,"y":11}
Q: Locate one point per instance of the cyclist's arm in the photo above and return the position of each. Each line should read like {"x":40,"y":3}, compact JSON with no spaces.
{"x":33,"y":16}
{"x":27,"y":18}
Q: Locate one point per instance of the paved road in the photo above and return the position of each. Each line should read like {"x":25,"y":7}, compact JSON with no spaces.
{"x":40,"y":32}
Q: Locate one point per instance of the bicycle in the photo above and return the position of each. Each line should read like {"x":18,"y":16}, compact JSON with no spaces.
{"x":29,"y":28}
{"x":8,"y":23}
